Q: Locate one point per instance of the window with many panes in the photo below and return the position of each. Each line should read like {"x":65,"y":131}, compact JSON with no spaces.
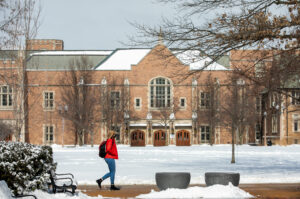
{"x":204,"y":99}
{"x":296,"y":97}
{"x":160,"y":93}
{"x":115,"y":99}
{"x":48,"y":100}
{"x":6,"y":95}
{"x":205,"y":134}
{"x":49,"y":134}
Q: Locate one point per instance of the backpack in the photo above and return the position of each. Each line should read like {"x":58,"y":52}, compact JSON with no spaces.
{"x":102,"y":149}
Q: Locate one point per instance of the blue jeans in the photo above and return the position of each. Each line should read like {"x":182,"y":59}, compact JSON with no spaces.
{"x":112,"y":170}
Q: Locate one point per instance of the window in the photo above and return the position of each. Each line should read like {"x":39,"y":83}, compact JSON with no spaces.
{"x":49,"y":100}
{"x":182,"y":102}
{"x":296,"y":123}
{"x":257,"y":131}
{"x":274,"y":123}
{"x":6,"y":100}
{"x":49,"y":134}
{"x":260,"y":69}
{"x":137,"y":103}
{"x":296,"y":97}
{"x":204,"y":99}
{"x":160,"y":93}
{"x":114,"y":99}
{"x":258,"y":105}
{"x":204,"y":134}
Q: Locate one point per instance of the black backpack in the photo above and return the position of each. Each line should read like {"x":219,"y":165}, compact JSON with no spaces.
{"x":102,"y":149}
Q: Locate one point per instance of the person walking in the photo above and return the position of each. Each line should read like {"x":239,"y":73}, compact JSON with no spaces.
{"x":110,"y":157}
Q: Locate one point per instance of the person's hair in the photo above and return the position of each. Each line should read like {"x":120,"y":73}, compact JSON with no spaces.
{"x":110,"y":134}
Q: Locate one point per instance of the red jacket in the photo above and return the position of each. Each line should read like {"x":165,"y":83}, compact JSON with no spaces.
{"x":111,"y":149}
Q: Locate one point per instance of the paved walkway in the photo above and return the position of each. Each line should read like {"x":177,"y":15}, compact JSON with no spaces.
{"x":269,"y":191}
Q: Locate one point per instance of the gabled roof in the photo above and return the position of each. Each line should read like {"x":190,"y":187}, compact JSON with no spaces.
{"x":122,"y":59}
{"x":197,"y":61}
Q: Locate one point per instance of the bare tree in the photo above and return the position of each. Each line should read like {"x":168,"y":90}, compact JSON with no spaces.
{"x":236,"y":24}
{"x":114,"y":105}
{"x":238,"y":109}
{"x":20,"y":22}
{"x":80,"y":97}
{"x":165,"y":115}
{"x":208,"y":108}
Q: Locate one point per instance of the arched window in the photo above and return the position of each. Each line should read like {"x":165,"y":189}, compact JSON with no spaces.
{"x":160,"y":93}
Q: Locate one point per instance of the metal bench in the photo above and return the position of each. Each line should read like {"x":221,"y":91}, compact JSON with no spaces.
{"x":63,"y":182}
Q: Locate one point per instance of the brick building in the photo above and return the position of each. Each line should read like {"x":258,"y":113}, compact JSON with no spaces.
{"x":148,"y":96}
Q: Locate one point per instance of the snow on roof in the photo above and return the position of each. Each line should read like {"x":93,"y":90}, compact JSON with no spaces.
{"x":76,"y":52}
{"x":123,"y":59}
{"x":194,"y":59}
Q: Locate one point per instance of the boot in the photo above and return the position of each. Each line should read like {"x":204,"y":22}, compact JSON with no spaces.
{"x":99,"y":181}
{"x":113,"y":188}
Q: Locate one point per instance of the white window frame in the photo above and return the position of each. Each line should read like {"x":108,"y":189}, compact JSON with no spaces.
{"x":296,"y":119}
{"x":9,"y":97}
{"x":167,"y":97}
{"x":46,"y":139}
{"x":205,"y":132}
{"x":48,"y":107}
{"x":135,"y":104}
{"x":184,"y":106}
{"x":296,"y":94}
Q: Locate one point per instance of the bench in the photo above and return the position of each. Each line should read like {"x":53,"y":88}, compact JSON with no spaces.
{"x":62,"y":182}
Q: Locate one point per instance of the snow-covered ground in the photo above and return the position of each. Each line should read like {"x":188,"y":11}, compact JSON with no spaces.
{"x":138,"y":165}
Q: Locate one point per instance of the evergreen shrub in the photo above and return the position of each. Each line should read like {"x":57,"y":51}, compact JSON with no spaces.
{"x":25,"y":167}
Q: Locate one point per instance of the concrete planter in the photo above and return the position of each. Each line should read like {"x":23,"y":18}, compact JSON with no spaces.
{"x":179,"y":180}
{"x":212,"y":178}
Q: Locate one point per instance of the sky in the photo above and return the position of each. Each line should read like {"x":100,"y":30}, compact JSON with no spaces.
{"x":98,"y":24}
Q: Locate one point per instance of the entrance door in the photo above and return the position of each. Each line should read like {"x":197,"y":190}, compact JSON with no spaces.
{"x":137,"y":138}
{"x":183,"y":138}
{"x":160,"y":138}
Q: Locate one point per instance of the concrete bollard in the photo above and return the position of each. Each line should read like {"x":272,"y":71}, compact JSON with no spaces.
{"x":179,"y":180}
{"x":212,"y":178}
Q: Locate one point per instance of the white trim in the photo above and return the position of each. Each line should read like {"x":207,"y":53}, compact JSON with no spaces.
{"x":44,"y":133}
{"x":43,"y":101}
{"x":185,"y":105}
{"x":137,"y":107}
{"x":84,"y":52}
{"x":187,"y":124}
{"x":138,"y":124}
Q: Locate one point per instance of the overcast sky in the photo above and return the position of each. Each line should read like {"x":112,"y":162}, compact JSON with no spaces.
{"x":97,"y":24}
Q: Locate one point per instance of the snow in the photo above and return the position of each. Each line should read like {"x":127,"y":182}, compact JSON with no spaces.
{"x":76,"y":52}
{"x":123,"y":59}
{"x":6,"y":194}
{"x":138,"y":165}
{"x":193,"y":59}
{"x":215,"y":191}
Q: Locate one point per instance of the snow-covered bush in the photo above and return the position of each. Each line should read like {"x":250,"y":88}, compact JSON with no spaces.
{"x":25,"y":167}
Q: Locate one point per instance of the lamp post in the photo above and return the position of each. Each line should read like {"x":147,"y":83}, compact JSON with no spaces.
{"x":194,"y":125}
{"x":126,"y":119}
{"x":62,"y":111}
{"x":265,"y":130}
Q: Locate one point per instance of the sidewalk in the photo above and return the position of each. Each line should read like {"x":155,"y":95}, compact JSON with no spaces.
{"x":259,"y":190}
